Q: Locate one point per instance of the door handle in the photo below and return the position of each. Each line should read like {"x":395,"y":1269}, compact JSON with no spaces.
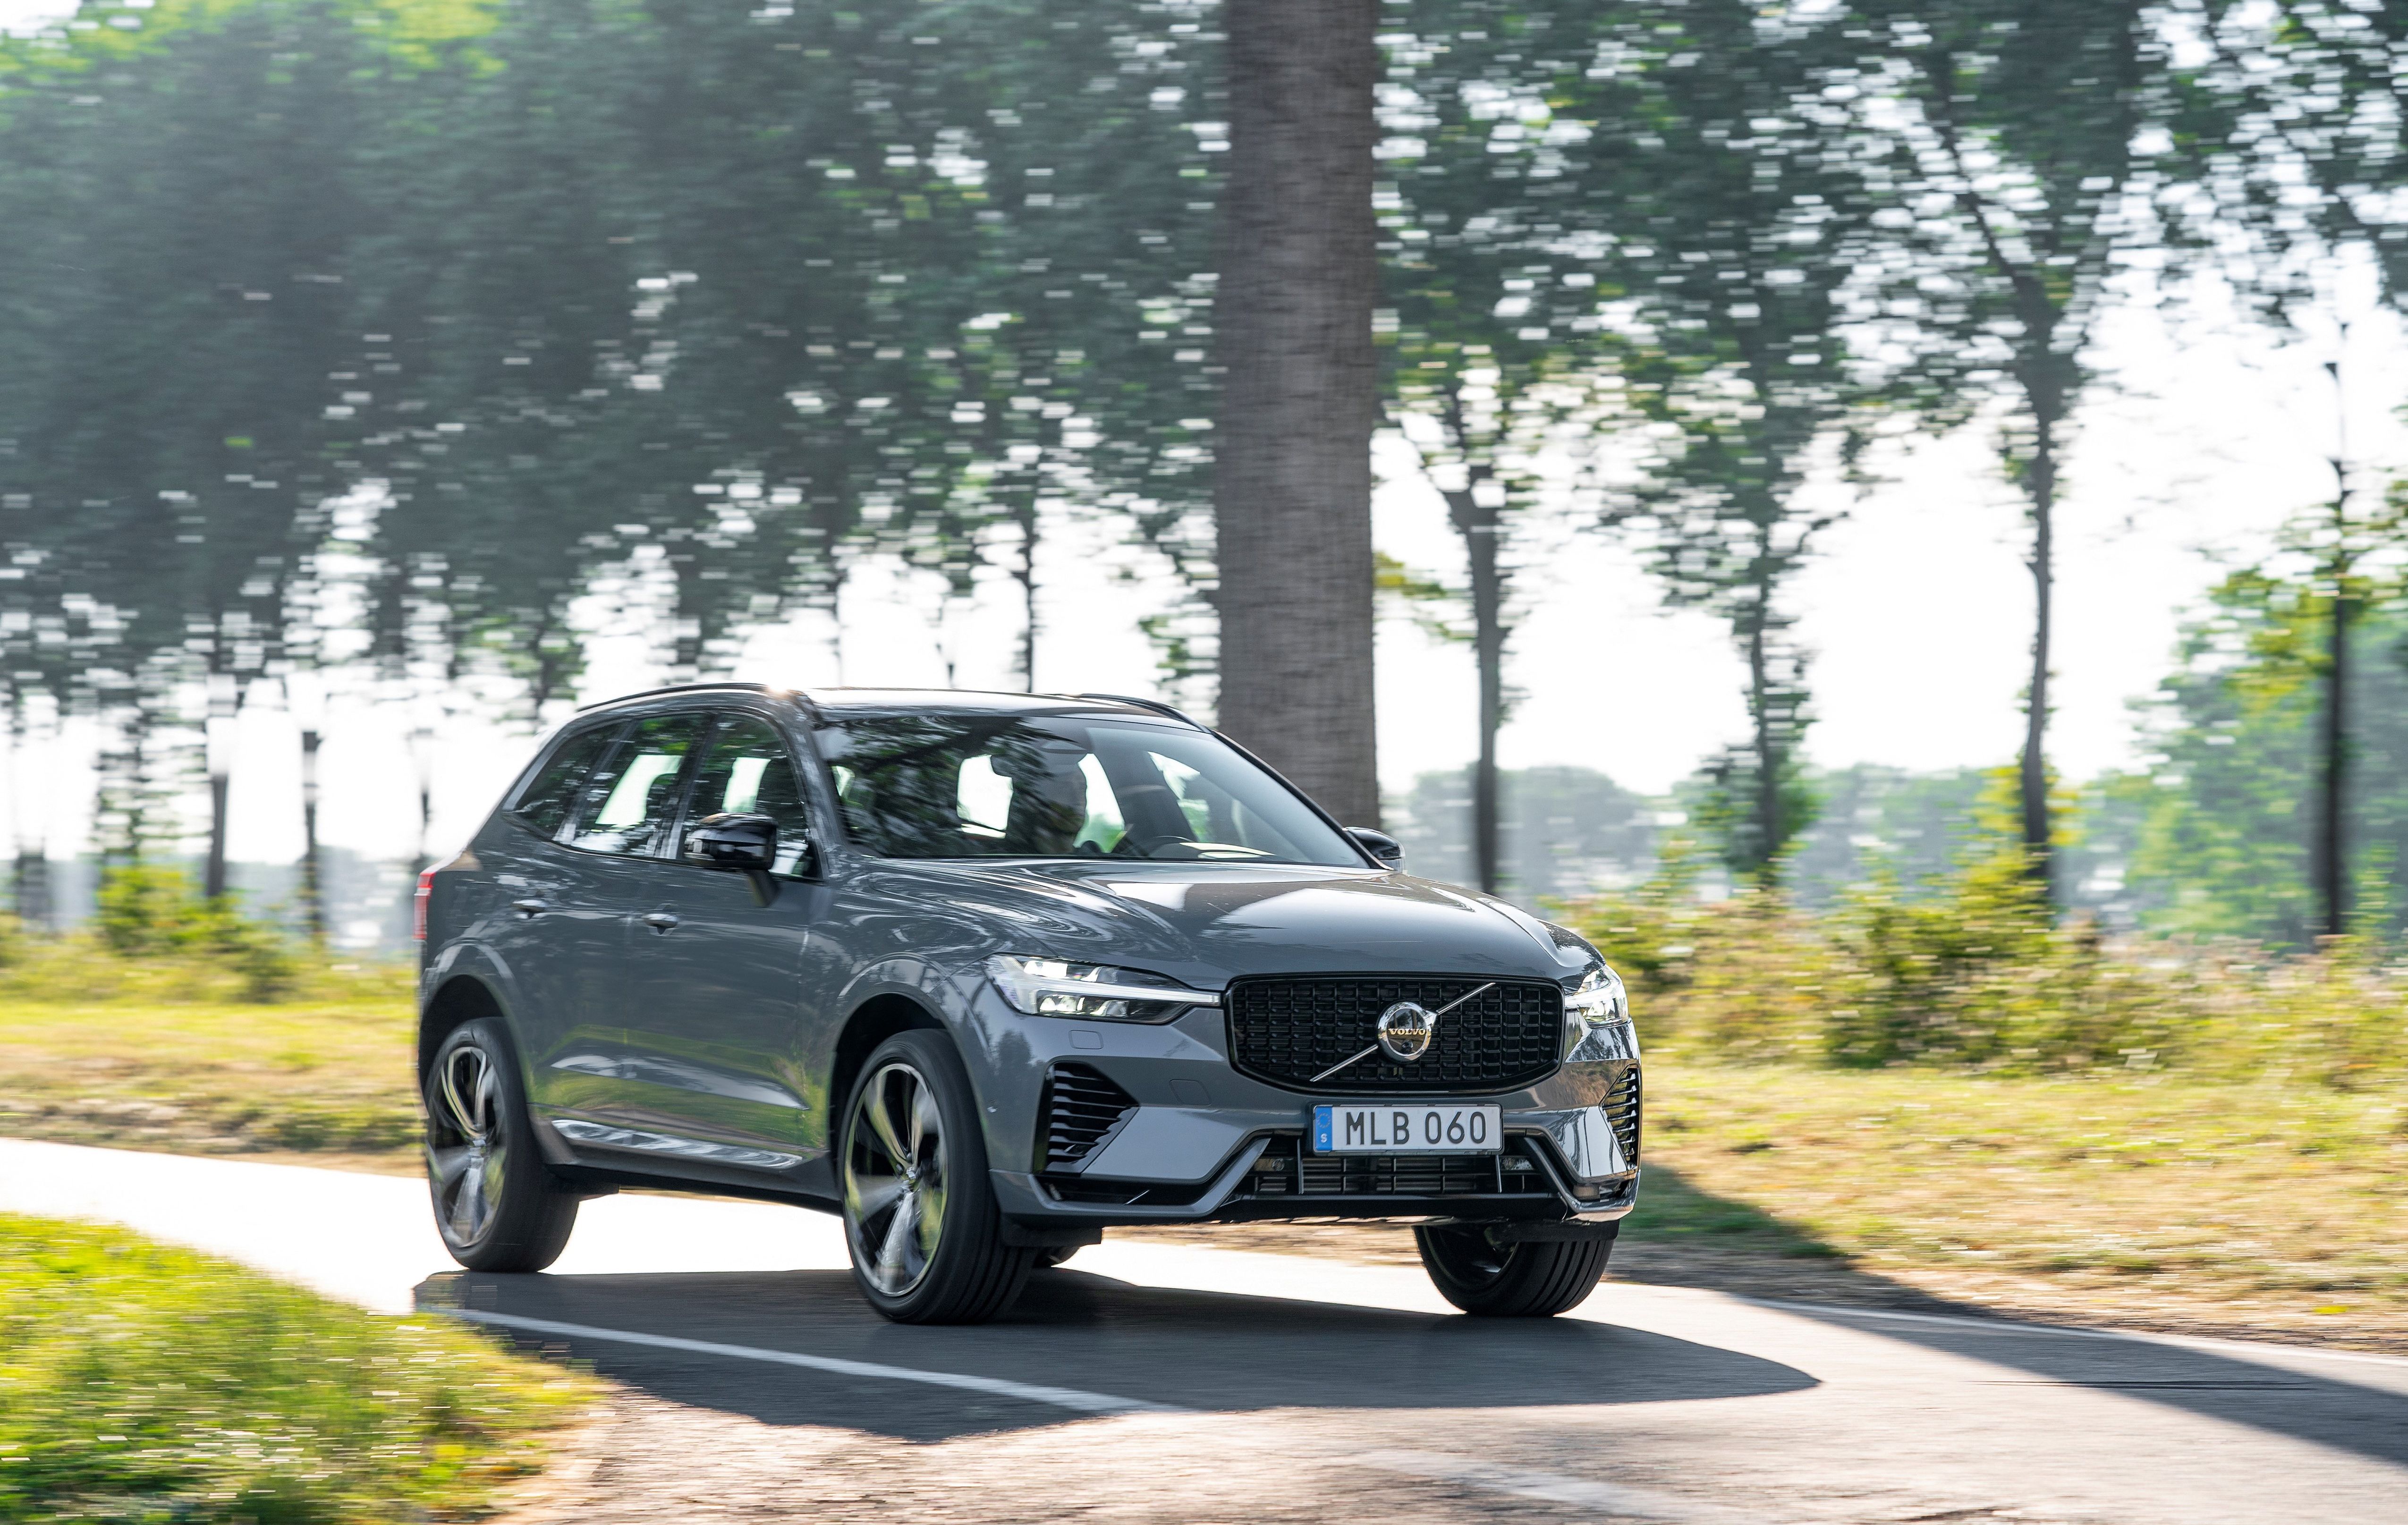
{"x":530,"y":909}
{"x":660,"y":921}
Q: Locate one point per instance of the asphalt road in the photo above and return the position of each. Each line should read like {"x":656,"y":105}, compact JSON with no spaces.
{"x":1149,"y":1381}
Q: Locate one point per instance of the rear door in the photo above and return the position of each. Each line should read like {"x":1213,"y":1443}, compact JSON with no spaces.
{"x":717,"y":1033}
{"x":612,"y":851}
{"x":534,"y":934}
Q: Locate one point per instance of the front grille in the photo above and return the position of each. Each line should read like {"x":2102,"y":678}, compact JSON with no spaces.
{"x":1082,"y":1112}
{"x":1288,"y":1169}
{"x":1287,"y":1030}
{"x":1622,"y":1111}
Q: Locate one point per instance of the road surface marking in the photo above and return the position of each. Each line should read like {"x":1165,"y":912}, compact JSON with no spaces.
{"x":2066,"y":1332}
{"x":1070,"y":1398}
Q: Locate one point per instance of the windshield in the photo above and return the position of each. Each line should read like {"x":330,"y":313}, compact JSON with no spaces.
{"x":984,"y":786}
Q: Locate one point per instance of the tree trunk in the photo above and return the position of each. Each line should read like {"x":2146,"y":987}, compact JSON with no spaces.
{"x":313,"y":893}
{"x":1299,"y":396}
{"x":213,"y":873}
{"x":2332,"y":856}
{"x":217,"y":750}
{"x":1479,"y":527}
{"x":1026,"y":516}
{"x":2040,"y":492}
{"x":1768,"y":750}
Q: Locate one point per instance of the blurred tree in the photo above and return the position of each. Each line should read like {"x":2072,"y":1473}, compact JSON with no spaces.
{"x":2225,"y":840}
{"x":2019,"y":142}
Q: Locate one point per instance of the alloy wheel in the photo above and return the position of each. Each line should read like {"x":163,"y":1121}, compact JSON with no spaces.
{"x":466,"y":1152}
{"x":895,"y":1179}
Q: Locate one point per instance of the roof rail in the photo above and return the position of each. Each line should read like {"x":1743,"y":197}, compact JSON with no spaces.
{"x":679,"y":688}
{"x":1155,"y":705}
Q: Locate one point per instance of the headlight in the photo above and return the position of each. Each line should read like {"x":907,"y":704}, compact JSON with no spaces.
{"x":1053,"y":987}
{"x":1597,"y":1001}
{"x":1600,"y":998}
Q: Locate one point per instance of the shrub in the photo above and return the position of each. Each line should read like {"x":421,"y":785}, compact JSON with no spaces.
{"x":1978,"y":973}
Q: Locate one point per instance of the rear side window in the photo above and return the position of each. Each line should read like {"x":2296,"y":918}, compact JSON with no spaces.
{"x":544,"y":803}
{"x":630,"y":801}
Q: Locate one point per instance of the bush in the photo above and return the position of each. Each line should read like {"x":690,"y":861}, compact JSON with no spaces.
{"x":1978,"y":973}
{"x":155,"y":936}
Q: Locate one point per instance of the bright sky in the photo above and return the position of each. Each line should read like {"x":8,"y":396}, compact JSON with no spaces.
{"x":2205,"y":439}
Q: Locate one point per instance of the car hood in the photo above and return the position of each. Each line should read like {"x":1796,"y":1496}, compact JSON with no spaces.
{"x":1205,"y":924}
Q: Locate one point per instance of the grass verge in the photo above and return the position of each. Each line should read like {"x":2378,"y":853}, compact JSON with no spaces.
{"x":141,"y":1383}
{"x":2151,"y":1201}
{"x":325,"y":1073}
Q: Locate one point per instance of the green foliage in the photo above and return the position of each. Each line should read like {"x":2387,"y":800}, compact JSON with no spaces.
{"x":146,"y":913}
{"x":2224,"y":815}
{"x":144,"y":1383}
{"x":1976,"y":972}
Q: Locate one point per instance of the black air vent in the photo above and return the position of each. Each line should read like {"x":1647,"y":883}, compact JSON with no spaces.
{"x":1622,"y":1110}
{"x":1082,"y":1112}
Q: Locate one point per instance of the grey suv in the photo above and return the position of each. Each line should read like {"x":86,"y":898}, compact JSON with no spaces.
{"x":987,"y":974}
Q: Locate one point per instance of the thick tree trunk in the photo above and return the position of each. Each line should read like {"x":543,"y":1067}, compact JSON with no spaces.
{"x":1479,"y":527}
{"x":1299,"y":396}
{"x":2040,"y":490}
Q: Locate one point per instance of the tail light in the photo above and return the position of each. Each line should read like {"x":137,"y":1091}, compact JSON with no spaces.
{"x":418,"y":903}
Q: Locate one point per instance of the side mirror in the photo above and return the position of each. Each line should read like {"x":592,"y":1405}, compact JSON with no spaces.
{"x":748,"y":844}
{"x":1387,"y":849}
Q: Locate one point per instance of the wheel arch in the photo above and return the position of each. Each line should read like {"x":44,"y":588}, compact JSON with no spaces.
{"x":457,"y":1001}
{"x":872,"y":1023}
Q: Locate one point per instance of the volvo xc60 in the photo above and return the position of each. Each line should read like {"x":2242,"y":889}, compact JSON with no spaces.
{"x":988,"y":975}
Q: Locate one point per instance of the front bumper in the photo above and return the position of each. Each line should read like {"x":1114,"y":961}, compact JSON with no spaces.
{"x":1199,"y":1142}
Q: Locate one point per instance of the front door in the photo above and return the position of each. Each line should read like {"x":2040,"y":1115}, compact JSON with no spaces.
{"x":717,"y":1028}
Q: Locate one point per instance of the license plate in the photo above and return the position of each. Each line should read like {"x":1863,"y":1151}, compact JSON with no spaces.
{"x":1403,"y":1128}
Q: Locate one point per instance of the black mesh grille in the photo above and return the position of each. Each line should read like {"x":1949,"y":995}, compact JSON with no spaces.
{"x":1288,"y":1169}
{"x":1622,"y":1110}
{"x":1288,"y":1031}
{"x":1082,"y":1110}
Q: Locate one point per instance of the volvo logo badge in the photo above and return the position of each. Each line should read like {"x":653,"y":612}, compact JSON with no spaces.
{"x":1405,"y":1032}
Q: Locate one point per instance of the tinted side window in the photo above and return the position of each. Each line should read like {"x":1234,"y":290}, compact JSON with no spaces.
{"x":629,"y":803}
{"x":544,"y":803}
{"x":747,"y":771}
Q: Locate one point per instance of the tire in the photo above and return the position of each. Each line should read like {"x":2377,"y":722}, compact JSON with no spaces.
{"x":496,"y":1205}
{"x":1527,"y":1280}
{"x":920,"y":1217}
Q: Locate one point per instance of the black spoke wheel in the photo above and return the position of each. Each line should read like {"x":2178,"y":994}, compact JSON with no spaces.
{"x":495,"y":1205}
{"x":1514,"y":1279}
{"x":920,"y":1219}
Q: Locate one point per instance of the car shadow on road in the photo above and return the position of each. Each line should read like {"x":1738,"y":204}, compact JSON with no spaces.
{"x":1686,"y":1236}
{"x":1195,"y":1350}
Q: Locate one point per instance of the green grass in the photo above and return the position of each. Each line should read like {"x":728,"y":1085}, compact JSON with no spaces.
{"x":144,"y":1383}
{"x":165,"y":1054}
{"x":2277,"y":1204}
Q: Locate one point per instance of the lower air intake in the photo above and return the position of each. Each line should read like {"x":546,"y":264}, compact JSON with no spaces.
{"x":1082,"y":1112}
